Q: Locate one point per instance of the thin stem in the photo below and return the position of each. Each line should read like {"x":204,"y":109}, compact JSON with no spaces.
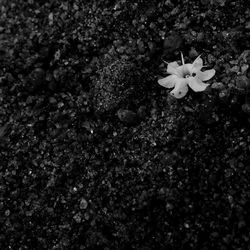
{"x":182,"y":59}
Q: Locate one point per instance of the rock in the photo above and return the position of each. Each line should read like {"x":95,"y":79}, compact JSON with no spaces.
{"x":8,"y":78}
{"x":115,"y":85}
{"x":141,"y":112}
{"x":83,"y":204}
{"x":200,"y":37}
{"x":221,"y":2}
{"x":224,"y":94}
{"x":78,"y":217}
{"x":207,"y":112}
{"x":244,"y":68}
{"x":3,"y":130}
{"x":205,"y":2}
{"x":246,"y":108}
{"x":141,"y":46}
{"x":242,"y":82}
{"x":211,"y":59}
{"x":247,"y":25}
{"x":127,"y":116}
{"x":245,"y":57}
{"x":244,"y":62}
{"x":36,"y":79}
{"x":248,"y":73}
{"x":152,"y":47}
{"x":193,"y":53}
{"x":172,"y":43}
{"x":218,"y":85}
{"x":235,"y":69}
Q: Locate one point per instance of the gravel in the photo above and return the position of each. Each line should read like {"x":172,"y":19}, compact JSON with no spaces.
{"x":94,"y":154}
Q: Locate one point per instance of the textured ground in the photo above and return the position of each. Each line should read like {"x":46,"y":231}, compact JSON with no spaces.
{"x":94,"y":154}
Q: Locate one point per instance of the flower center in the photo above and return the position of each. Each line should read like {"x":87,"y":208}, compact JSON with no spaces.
{"x":187,"y":75}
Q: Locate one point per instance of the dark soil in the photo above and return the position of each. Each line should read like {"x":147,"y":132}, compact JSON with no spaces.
{"x":94,"y":154}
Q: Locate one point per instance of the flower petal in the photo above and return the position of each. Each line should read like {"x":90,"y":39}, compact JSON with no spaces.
{"x":168,"y":82}
{"x":196,"y":84}
{"x":185,"y":69}
{"x":205,"y":75}
{"x":173,"y":64}
{"x":172,"y":68}
{"x":197,"y":64}
{"x":180,"y":89}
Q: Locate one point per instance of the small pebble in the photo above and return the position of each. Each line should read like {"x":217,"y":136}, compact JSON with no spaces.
{"x":242,"y":82}
{"x":247,"y":26}
{"x":52,"y":100}
{"x":217,"y":85}
{"x":141,"y":46}
{"x":77,"y":217}
{"x":224,"y":94}
{"x":127,"y":116}
{"x":235,"y":69}
{"x":141,"y":112}
{"x":246,"y":108}
{"x":172,"y":43}
{"x":193,"y":53}
{"x":248,"y":74}
{"x":83,"y":204}
{"x":244,"y":68}
{"x":200,"y":37}
{"x":211,"y":58}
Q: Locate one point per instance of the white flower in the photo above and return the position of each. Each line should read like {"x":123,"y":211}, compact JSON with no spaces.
{"x":186,"y":75}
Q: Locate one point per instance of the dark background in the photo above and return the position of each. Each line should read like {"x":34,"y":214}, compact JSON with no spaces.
{"x":94,"y":154}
